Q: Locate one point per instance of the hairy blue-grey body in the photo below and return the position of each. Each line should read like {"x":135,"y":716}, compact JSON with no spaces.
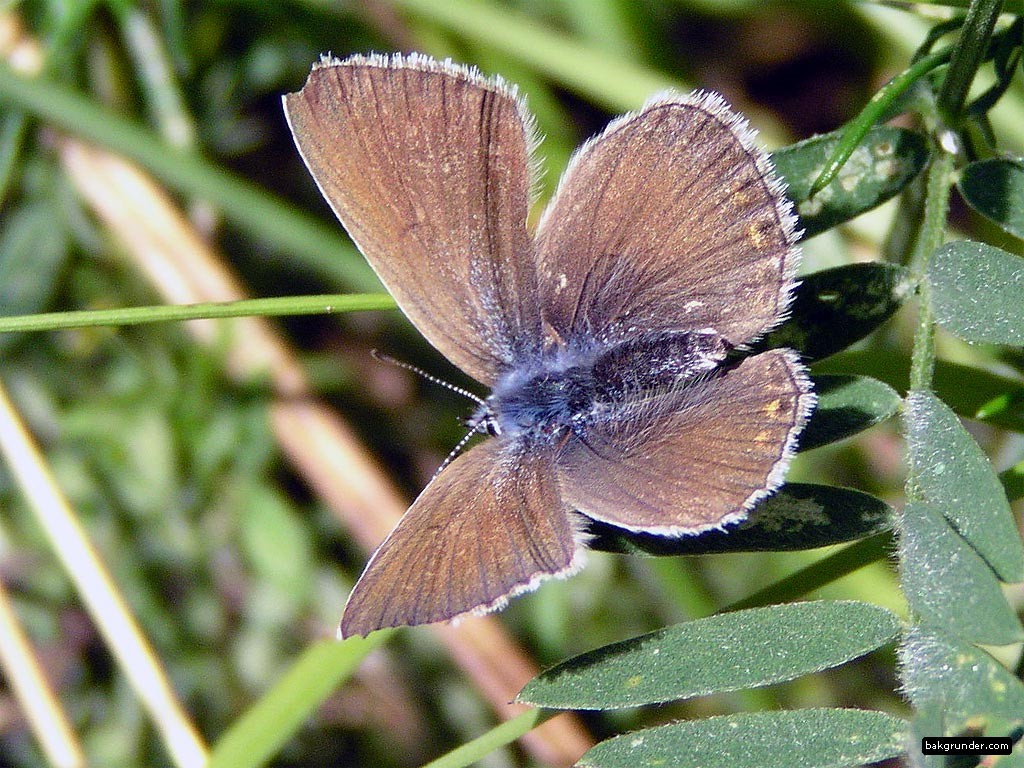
{"x":569,"y":391}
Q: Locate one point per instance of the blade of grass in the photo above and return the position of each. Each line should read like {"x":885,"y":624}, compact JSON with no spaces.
{"x":499,"y":736}
{"x":316,"y":244}
{"x":157,"y":76}
{"x":609,"y":80}
{"x":39,"y":704}
{"x":256,"y":737}
{"x":274,"y":307}
{"x":825,"y":571}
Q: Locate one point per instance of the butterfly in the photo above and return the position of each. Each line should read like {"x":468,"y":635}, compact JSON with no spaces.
{"x":611,"y":337}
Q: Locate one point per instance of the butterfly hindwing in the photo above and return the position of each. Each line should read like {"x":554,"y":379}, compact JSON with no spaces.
{"x":490,"y":526}
{"x":693,"y":458}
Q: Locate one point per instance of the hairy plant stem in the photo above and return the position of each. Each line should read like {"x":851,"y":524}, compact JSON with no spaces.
{"x":968,"y":54}
{"x":933,"y":229}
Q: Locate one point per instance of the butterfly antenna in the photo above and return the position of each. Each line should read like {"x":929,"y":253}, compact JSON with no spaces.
{"x":475,"y":427}
{"x":433,"y":379}
{"x":474,"y":424}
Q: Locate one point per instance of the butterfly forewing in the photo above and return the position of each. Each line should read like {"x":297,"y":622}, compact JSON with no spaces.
{"x":692,"y":458}
{"x":669,"y":220}
{"x":490,"y":526}
{"x":427,"y":166}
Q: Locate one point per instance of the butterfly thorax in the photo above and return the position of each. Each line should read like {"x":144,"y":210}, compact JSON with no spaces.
{"x":566,"y":391}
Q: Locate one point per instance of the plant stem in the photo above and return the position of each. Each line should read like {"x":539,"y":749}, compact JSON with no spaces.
{"x":876,"y":108}
{"x":287,"y":305}
{"x":933,"y":230}
{"x":497,"y":737}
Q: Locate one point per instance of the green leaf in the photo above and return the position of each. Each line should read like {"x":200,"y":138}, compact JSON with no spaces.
{"x":995,"y":189}
{"x":978,"y":292}
{"x":847,"y":405}
{"x":927,"y":723}
{"x":836,"y":307}
{"x":260,"y":733}
{"x":808,"y":738}
{"x":1013,"y":760}
{"x":881,"y":165}
{"x":799,"y":516}
{"x":33,"y":246}
{"x":937,"y":566}
{"x":969,"y":685}
{"x":1012,"y":479}
{"x":727,"y":652}
{"x":950,"y":470}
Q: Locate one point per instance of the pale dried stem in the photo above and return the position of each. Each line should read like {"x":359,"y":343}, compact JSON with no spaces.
{"x":27,"y":680}
{"x":84,"y":567}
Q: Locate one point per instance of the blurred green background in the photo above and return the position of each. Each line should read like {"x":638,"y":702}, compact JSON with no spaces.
{"x":231,"y":564}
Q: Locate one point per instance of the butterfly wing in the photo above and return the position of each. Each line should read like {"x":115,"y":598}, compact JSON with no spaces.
{"x":694,"y":458}
{"x":669,"y":220}
{"x":491,"y":526}
{"x":427,"y":166}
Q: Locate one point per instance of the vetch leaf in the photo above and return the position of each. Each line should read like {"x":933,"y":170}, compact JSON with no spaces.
{"x":927,"y":723}
{"x":808,"y":738}
{"x":727,"y":652}
{"x":964,"y":680}
{"x":847,"y":405}
{"x":995,"y":189}
{"x":978,"y":292}
{"x":884,"y":162}
{"x":937,"y":566}
{"x":950,"y":470}
{"x":835,"y":307}
{"x":799,"y":516}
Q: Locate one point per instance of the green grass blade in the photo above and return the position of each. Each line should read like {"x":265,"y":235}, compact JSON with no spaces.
{"x":319,"y":246}
{"x":257,"y":736}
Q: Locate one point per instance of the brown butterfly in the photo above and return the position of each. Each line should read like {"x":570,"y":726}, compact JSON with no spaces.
{"x":608,"y":336}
